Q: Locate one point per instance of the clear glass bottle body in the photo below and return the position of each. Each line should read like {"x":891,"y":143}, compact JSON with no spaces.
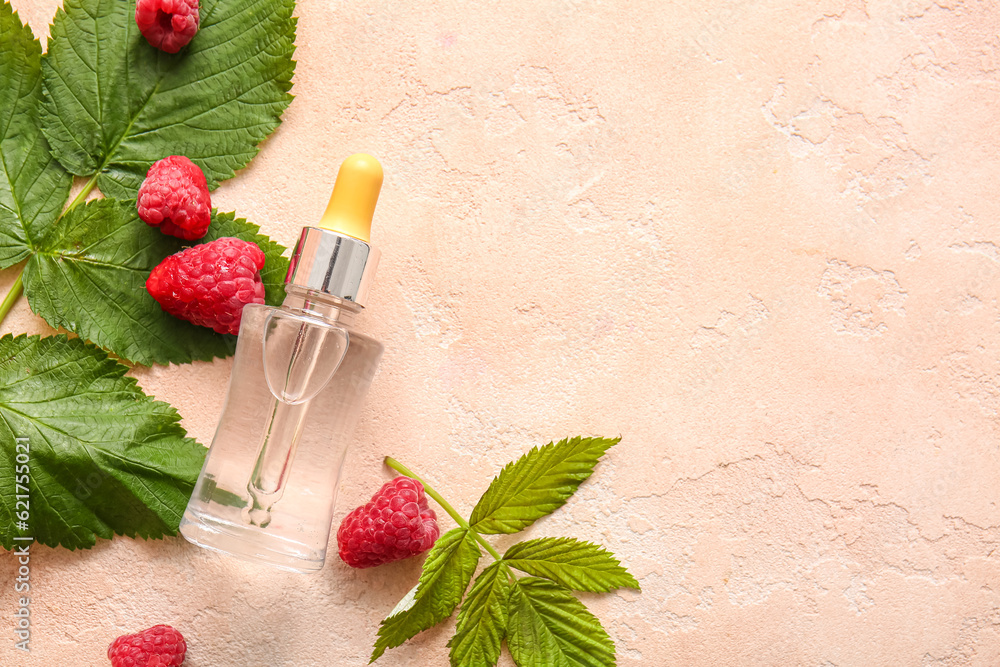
{"x":269,"y":483}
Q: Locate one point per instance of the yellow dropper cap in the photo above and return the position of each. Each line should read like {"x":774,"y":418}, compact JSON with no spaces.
{"x":355,"y":194}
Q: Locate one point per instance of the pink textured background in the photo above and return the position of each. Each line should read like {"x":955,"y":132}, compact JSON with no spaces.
{"x":757,"y":238}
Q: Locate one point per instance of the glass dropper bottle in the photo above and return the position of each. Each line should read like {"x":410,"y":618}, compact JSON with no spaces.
{"x":300,"y":375}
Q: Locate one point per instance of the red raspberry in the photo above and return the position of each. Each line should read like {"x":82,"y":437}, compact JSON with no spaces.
{"x":174,"y":197}
{"x":394,"y":525}
{"x":167,"y":24}
{"x":159,"y":646}
{"x":210,"y":283}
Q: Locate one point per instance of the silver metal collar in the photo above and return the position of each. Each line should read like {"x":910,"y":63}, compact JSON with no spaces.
{"x":332,"y":263}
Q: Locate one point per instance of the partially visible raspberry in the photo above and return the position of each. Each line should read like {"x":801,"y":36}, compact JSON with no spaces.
{"x":167,"y":24}
{"x":174,"y":197}
{"x":394,"y":525}
{"x":210,"y":283}
{"x":159,"y":646}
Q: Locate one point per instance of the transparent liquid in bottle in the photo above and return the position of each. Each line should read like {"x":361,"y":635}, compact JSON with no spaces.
{"x":269,"y":483}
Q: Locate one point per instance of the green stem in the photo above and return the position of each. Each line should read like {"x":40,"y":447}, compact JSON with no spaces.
{"x":12,"y":296}
{"x":87,"y":188}
{"x":17,"y":289}
{"x":403,"y":470}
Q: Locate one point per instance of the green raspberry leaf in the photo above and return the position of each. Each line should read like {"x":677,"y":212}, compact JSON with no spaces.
{"x":88,"y":275}
{"x":537,"y":484}
{"x":103,"y":457}
{"x":114,"y":104}
{"x":548,"y":627}
{"x":482,"y":620}
{"x":446,"y":575}
{"x":581,"y":566}
{"x":33,"y":185}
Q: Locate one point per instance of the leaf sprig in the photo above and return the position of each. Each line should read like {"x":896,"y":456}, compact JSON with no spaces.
{"x":103,"y":105}
{"x":539,"y":618}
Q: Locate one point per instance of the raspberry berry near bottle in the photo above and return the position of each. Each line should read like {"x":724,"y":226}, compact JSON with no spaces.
{"x":300,"y":375}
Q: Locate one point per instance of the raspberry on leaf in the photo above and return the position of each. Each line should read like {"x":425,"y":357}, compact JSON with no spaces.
{"x":175,"y":198}
{"x":395,"y":524}
{"x":209,"y":284}
{"x":167,"y":24}
{"x":159,"y":646}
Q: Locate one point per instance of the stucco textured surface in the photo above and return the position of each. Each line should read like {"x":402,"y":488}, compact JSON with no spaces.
{"x":760,"y":239}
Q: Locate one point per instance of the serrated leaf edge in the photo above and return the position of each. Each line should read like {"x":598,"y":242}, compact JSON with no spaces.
{"x":500,"y":572}
{"x":427,"y":579}
{"x":527,"y":582}
{"x":116,"y":371}
{"x":481,"y":517}
{"x":613,"y":567}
